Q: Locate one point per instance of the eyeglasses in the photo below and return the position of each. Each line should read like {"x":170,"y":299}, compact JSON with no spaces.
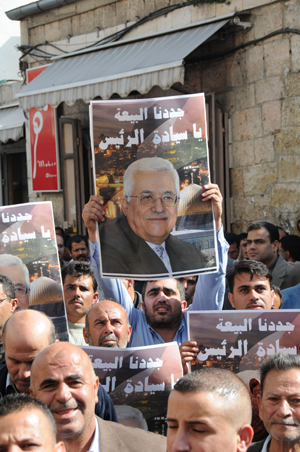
{"x":148,"y":199}
{"x":21,"y":290}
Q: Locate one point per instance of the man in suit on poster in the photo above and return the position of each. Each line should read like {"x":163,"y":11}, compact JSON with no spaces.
{"x":140,"y":242}
{"x":64,"y":379}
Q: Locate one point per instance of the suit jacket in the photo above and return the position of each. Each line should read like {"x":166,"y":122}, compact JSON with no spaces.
{"x":116,"y":437}
{"x":124,"y":252}
{"x":286,"y":274}
{"x":256,"y":447}
{"x":3,"y":377}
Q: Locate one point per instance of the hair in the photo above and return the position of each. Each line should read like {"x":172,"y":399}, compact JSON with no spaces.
{"x":8,"y":287}
{"x":278,"y":291}
{"x":242,"y":236}
{"x":100,"y":301}
{"x":8,"y":260}
{"x":128,"y":412}
{"x":271,"y":228}
{"x":232,"y":238}
{"x":281,"y":229}
{"x":60,"y":231}
{"x":148,"y":164}
{"x":280,"y":362}
{"x":78,"y":269}
{"x":298,"y":225}
{"x":251,"y":267}
{"x":222,"y":382}
{"x":291,"y":243}
{"x":77,"y":239}
{"x":179,"y":287}
{"x":14,"y":403}
{"x":52,"y":333}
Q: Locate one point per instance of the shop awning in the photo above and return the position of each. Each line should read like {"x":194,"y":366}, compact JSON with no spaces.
{"x":12,"y":120}
{"x":121,"y":67}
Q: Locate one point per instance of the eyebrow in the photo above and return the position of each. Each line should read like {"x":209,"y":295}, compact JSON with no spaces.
{"x":187,"y":422}
{"x":153,"y":289}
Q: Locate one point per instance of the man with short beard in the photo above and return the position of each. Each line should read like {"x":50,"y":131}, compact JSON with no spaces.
{"x":107,"y":325}
{"x":279,"y":404}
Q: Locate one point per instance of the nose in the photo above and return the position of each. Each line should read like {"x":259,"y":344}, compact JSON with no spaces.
{"x":108,"y":328}
{"x":63,"y":393}
{"x":254,"y":295}
{"x":158,"y":207}
{"x":251,"y":245}
{"x":180,"y":442}
{"x":24,"y":370}
{"x":284,"y":409}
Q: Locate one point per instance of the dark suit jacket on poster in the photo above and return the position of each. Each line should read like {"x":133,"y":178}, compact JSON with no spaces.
{"x":286,"y":274}
{"x":124,"y":252}
{"x":104,"y":408}
{"x":116,"y":437}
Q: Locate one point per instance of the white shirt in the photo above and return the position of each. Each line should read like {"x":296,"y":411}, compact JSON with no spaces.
{"x":266,"y":444}
{"x":95,"y":445}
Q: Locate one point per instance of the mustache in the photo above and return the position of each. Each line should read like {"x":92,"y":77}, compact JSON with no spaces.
{"x":155,"y":216}
{"x":71,"y":404}
{"x":163,"y":305}
{"x":108,"y":336}
{"x":76,"y":299}
{"x":23,"y":380}
{"x":293,"y":423}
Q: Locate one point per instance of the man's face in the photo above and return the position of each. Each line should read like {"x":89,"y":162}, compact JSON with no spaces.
{"x":80,"y":252}
{"x":60,"y":246}
{"x":19,"y":355}
{"x":28,"y":430}
{"x":155,"y":223}
{"x":107,"y":326}
{"x":162,"y":305}
{"x":68,"y":387}
{"x":233,"y":251}
{"x":16,"y":275}
{"x":260,"y":248}
{"x":252,"y":293}
{"x":200,"y":422}
{"x":79,"y":296}
{"x":279,"y":406}
{"x":243,"y":245}
{"x":7,"y":307}
{"x":189,"y":285}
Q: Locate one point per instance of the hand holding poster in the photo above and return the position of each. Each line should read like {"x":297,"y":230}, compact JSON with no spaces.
{"x":28,"y":256}
{"x":140,"y":377}
{"x":150,"y":166}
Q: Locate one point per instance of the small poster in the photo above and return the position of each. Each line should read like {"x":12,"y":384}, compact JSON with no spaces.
{"x":240,"y":340}
{"x":28,"y":256}
{"x":139,"y":377}
{"x":150,"y":161}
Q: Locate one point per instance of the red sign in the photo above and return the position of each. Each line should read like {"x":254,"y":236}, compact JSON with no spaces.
{"x":43,"y":143}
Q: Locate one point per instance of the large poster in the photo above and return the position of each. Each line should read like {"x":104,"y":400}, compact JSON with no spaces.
{"x":150,"y":164}
{"x":241,"y":340}
{"x":140,"y":377}
{"x":27,"y":236}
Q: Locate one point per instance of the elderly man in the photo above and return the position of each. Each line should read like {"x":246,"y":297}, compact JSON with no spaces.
{"x":140,"y":242}
{"x":64,"y":379}
{"x":279,"y":403}
{"x":35,"y":331}
{"x":209,"y":411}
{"x":107,"y":325}
{"x":27,"y":424}
{"x":262,"y":245}
{"x":8,"y":304}
{"x":13,"y":267}
{"x":80,"y":292}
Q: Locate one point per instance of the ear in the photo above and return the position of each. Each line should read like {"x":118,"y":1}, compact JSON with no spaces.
{"x":183,"y":306}
{"x":85,"y":335}
{"x":130,"y":283}
{"x":231,"y":299}
{"x":272,"y":297}
{"x":245,"y":437}
{"x":275,"y":245}
{"x":124,"y":205}
{"x":129,"y":333}
{"x":59,"y":447}
{"x":31,"y":392}
{"x":288,"y":255}
{"x":258,"y":398}
{"x":95,"y":297}
{"x":14,"y":304}
{"x":143,"y":306}
{"x":96,"y":387}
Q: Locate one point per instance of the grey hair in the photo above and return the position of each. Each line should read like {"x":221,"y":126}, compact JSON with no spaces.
{"x":128,"y":412}
{"x":8,"y":260}
{"x":149,"y":164}
{"x":280,"y":362}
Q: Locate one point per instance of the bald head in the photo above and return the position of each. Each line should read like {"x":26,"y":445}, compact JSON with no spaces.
{"x":25,"y":334}
{"x":64,"y":379}
{"x":107,"y":325}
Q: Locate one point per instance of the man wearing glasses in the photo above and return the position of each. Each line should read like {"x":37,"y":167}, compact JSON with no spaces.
{"x":13,"y":267}
{"x":140,"y":241}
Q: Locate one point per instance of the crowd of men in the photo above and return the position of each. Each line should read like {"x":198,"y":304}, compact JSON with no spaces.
{"x":51,"y":397}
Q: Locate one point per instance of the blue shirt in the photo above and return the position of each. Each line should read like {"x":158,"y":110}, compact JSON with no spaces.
{"x":291,"y":297}
{"x":209,"y":295}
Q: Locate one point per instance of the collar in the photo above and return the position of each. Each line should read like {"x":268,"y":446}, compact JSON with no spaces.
{"x":95,"y":445}
{"x":152,"y":245}
{"x":266,"y":444}
{"x":10,"y":386}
